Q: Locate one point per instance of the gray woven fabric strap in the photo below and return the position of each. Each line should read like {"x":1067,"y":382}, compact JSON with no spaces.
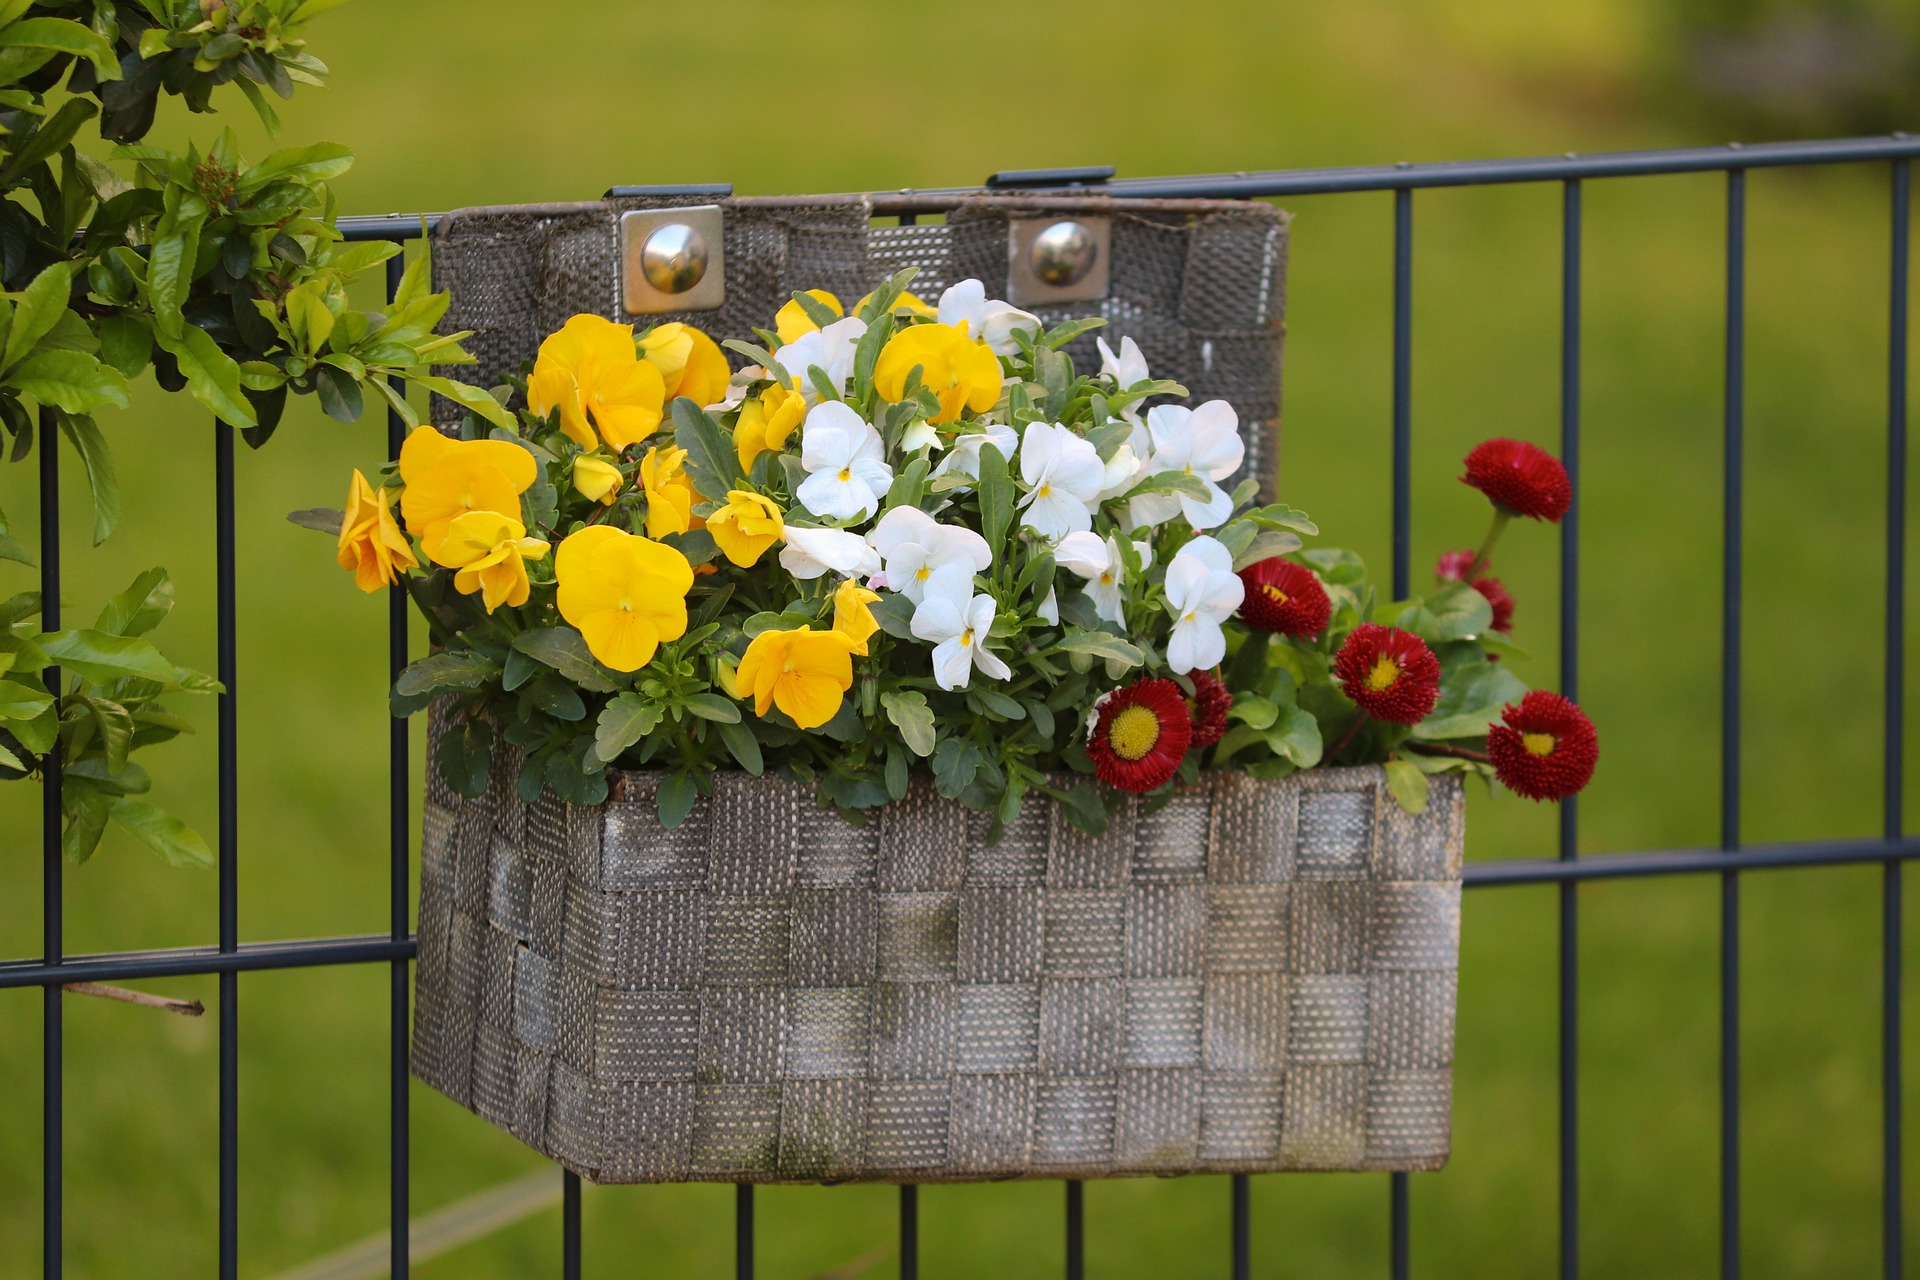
{"x":1258,"y":976}
{"x":1200,"y":285}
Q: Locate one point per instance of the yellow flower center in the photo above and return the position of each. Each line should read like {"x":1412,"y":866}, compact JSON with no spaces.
{"x":1274,"y":593}
{"x":1133,"y":732}
{"x":1106,"y":579}
{"x":1539,"y":744}
{"x":922,"y":573}
{"x":1384,"y":673}
{"x":846,"y":474}
{"x":966,"y":639}
{"x":1045,"y":490}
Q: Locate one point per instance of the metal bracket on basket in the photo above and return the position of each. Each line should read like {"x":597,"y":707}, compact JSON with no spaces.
{"x":1057,"y":259}
{"x":673,"y":259}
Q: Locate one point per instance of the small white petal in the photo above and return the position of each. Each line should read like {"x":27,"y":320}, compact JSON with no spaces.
{"x":1049,"y":610}
{"x":952,"y":664}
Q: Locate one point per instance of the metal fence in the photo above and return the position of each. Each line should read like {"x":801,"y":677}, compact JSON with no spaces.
{"x":230,"y":957}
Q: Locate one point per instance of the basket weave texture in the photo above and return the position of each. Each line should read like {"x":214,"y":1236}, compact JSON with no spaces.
{"x":1199,"y":284}
{"x":1258,"y":976}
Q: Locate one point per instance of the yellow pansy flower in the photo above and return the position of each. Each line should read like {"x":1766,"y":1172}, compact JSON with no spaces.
{"x":590,"y":371}
{"x":726,"y":675}
{"x":371,"y":543}
{"x":851,"y":616}
{"x":624,"y":593}
{"x":690,"y":362}
{"x":670,"y":495}
{"x":961,"y":373}
{"x":792,"y":319}
{"x":802,"y":672}
{"x":906,"y":302}
{"x":746,"y":526}
{"x":490,"y":551}
{"x":767,"y":422}
{"x":445,"y":479}
{"x":596,"y":479}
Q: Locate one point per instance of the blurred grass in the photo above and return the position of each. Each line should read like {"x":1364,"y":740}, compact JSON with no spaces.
{"x":451,"y":103}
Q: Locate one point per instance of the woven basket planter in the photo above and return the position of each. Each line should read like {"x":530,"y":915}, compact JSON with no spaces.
{"x":1258,"y":976}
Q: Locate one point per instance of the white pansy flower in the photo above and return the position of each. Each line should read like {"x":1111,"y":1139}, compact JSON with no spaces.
{"x":964,"y":455}
{"x":920,"y":434}
{"x":1122,"y":472}
{"x":1100,"y":563}
{"x":1064,"y":473}
{"x":957,"y":620}
{"x":913,"y":546}
{"x":1203,"y":443}
{"x":829,"y":350}
{"x":841,"y":453}
{"x":988,"y":319}
{"x":811,"y":552}
{"x":1202,"y":592}
{"x":1128,"y":368}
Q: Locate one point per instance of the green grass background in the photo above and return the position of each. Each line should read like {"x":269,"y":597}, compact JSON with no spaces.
{"x":455,"y":102}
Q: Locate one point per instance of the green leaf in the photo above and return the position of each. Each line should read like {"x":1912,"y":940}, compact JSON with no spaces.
{"x":71,"y":380}
{"x":624,"y":721}
{"x":955,"y":762}
{"x":306,"y":165}
{"x":115,"y":725}
{"x":1254,"y":712}
{"x":472,"y":399}
{"x":676,"y":797}
{"x":996,"y":495}
{"x":1295,"y":736}
{"x":320,"y":519}
{"x":40,"y":307}
{"x":456,"y":669}
{"x":713,"y":464}
{"x":212,"y":376}
{"x":1102,"y":644}
{"x":1178,"y":482}
{"x":894,"y":613}
{"x":49,"y":139}
{"x":1279,"y":515}
{"x":125,"y":344}
{"x":744,"y":747}
{"x":1267,"y":544}
{"x":817,"y":311}
{"x":84,"y":809}
{"x":63,"y":36}
{"x":1408,"y":784}
{"x":340,"y":395}
{"x":100,"y":657}
{"x":465,"y":756}
{"x":308,"y":316}
{"x":565,"y":650}
{"x":1459,"y":612}
{"x":711,"y":706}
{"x":1470,"y":700}
{"x":20,"y":701}
{"x":140,"y":608}
{"x":910,"y":714}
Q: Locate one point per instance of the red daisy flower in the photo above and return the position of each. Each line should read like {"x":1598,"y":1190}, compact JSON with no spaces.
{"x":1389,"y":673}
{"x":1545,"y":749}
{"x":1521,"y":478}
{"x":1208,"y":708}
{"x":1140,"y":734}
{"x":1453,"y":567}
{"x":1285,"y":597}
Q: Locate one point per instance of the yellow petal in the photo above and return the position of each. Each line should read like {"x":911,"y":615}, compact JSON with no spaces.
{"x":792,"y":320}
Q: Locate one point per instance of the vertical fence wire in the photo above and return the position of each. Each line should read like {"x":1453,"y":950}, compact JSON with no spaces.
{"x":1569,"y":687}
{"x":1893,"y":950}
{"x":909,"y":1232}
{"x":569,"y":1225}
{"x":229,"y":849}
{"x":1076,"y":1231}
{"x":1242,"y":1228}
{"x":1400,"y":1193}
{"x":53,"y":899}
{"x":399,"y":1152}
{"x":742,"y":1231}
{"x":1730,"y":621}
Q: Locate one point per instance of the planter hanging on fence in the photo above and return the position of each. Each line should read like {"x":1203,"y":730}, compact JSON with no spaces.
{"x":1258,"y":976}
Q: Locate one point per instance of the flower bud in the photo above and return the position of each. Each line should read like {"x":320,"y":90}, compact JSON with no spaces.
{"x":596,"y":479}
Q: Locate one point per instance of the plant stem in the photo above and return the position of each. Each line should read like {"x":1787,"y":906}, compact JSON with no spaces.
{"x":1347,"y":736}
{"x":1500,"y":518}
{"x":1441,"y":749}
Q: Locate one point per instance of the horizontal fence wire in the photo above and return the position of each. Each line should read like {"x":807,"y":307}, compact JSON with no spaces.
{"x":230,"y":957}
